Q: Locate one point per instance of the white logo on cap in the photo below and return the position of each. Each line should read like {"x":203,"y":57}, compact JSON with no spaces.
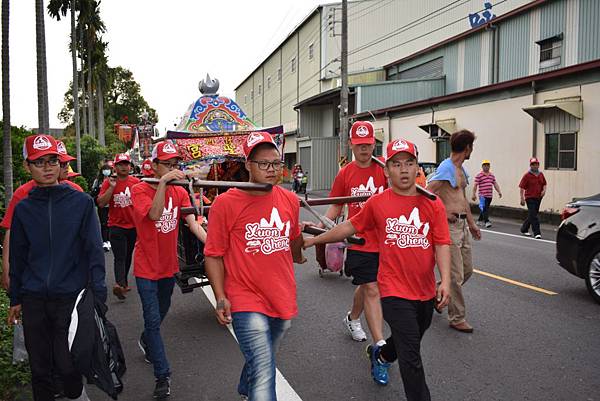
{"x":61,"y":148}
{"x":41,"y":143}
{"x":400,"y":145}
{"x":146,"y":166}
{"x":122,"y":157}
{"x":254,"y":138}
{"x":169,"y":148}
{"x":362,"y":131}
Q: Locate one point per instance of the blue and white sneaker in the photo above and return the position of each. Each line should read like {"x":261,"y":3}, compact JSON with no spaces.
{"x":379,"y":370}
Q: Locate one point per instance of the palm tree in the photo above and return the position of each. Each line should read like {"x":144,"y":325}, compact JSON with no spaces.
{"x":7,"y":147}
{"x":42,"y":74}
{"x":101,"y":78}
{"x":56,"y":8}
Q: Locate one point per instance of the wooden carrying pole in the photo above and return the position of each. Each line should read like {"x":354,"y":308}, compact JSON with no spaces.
{"x":213,"y":184}
{"x":317,"y":231}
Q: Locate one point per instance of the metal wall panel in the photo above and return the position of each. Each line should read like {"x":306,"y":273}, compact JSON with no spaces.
{"x":429,"y":69}
{"x":589,"y":30}
{"x":514,"y":48}
{"x":310,"y":122}
{"x":552,"y":23}
{"x":485,"y":70}
{"x":473,"y":61}
{"x":571,"y":33}
{"x":558,"y":121}
{"x":392,"y":93}
{"x":324,"y":163}
{"x":451,"y":67}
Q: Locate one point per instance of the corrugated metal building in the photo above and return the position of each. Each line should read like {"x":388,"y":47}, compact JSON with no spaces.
{"x":527,"y":83}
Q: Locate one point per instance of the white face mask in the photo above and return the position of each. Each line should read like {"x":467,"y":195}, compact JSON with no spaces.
{"x":106,"y":173}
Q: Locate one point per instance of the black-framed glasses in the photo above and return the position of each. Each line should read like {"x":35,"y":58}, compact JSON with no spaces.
{"x":170,"y":166}
{"x":264,"y":165}
{"x":39,"y":163}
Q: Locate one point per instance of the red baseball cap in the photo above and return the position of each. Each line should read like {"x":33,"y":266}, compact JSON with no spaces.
{"x":401,"y":145}
{"x":533,"y":160}
{"x":63,"y":156}
{"x":122,"y":157}
{"x":147,"y":168}
{"x":36,"y":146}
{"x":362,"y":132}
{"x":165,"y":150}
{"x":256,"y":138}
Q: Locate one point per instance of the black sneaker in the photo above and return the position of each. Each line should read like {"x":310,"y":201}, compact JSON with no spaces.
{"x":163,"y":388}
{"x":144,"y":348}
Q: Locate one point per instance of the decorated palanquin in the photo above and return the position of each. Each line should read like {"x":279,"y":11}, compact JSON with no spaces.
{"x":211,"y":133}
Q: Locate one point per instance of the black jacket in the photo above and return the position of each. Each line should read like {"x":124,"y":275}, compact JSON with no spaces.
{"x":55,"y":245}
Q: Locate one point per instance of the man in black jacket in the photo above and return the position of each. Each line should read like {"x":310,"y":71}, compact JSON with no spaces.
{"x":55,"y":251}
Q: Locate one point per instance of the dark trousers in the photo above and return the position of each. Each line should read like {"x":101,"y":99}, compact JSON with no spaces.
{"x":484,"y":216}
{"x":408,"y":321}
{"x":103,"y":216}
{"x":122,"y":242}
{"x":533,"y":208}
{"x":46,"y":327}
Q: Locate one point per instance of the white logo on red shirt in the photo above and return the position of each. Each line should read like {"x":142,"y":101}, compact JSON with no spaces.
{"x":268,"y":236}
{"x":407,"y":233}
{"x":168,"y":220}
{"x":123,"y":199}
{"x":41,"y":143}
{"x":367,"y":189}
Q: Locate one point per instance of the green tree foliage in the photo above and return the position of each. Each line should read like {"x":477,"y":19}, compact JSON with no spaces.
{"x":20,"y":175}
{"x":92,"y":156}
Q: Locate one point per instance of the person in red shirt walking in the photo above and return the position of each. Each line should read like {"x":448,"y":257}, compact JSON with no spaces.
{"x":253,"y":239}
{"x":116,"y":193}
{"x":361,"y":177}
{"x":532,"y":189}
{"x":412,"y":236}
{"x":156,"y":213}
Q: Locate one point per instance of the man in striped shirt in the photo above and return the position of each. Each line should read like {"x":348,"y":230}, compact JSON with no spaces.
{"x":485,"y":182}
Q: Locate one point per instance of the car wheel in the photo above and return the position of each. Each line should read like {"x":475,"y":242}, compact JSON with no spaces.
{"x":592,"y":279}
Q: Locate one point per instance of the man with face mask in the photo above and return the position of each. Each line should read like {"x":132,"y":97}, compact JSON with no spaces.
{"x":532,"y":188}
{"x":103,"y":174}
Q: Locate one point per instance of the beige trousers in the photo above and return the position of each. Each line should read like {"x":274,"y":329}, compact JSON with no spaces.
{"x":462,"y":268}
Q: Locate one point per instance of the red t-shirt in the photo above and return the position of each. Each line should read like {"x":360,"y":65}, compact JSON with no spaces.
{"x":120,"y":209}
{"x":532,"y":184}
{"x":155,"y":253}
{"x":353,"y":180}
{"x":21,"y":193}
{"x":407,"y":229}
{"x":253,"y":235}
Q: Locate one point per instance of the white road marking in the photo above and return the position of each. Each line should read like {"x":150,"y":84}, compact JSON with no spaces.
{"x":285,"y":392}
{"x":519,"y":236}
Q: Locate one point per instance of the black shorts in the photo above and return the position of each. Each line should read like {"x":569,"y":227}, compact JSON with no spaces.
{"x":363,"y":266}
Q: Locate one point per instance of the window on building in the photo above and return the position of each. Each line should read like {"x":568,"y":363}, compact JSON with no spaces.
{"x":311,"y":51}
{"x":561,"y":151}
{"x":550,"y":51}
{"x":269,"y":82}
{"x":293,"y":64}
{"x":442,"y":150}
{"x":259,"y":89}
{"x":251,"y":94}
{"x":279,"y":74}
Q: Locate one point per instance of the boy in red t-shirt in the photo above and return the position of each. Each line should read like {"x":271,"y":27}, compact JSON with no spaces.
{"x":254,"y":238}
{"x":361,"y":177}
{"x":156,"y":212}
{"x":116,"y":193}
{"x":412,"y":237}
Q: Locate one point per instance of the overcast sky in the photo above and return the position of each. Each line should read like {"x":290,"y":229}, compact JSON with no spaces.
{"x":169,"y":47}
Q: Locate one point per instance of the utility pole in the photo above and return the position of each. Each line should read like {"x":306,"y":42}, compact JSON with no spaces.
{"x":344,"y":89}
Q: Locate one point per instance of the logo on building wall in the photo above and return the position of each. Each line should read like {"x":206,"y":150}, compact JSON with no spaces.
{"x":483,"y":17}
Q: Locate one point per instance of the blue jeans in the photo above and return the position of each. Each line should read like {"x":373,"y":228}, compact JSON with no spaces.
{"x":156,"y":301}
{"x":259,"y":337}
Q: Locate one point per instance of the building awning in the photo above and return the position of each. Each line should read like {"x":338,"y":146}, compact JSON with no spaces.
{"x":572,"y":106}
{"x":440,"y":129}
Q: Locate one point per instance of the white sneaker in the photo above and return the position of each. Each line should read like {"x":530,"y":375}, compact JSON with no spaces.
{"x":106,"y":246}
{"x":538,"y":236}
{"x":527,"y":234}
{"x":488,"y":224}
{"x":355,"y":329}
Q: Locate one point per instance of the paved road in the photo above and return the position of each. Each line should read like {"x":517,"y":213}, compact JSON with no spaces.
{"x":527,"y":345}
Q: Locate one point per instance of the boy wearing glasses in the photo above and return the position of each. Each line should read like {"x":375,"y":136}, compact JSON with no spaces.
{"x":412,"y":236}
{"x":254,"y":238}
{"x":156,"y":213}
{"x":116,"y":192}
{"x":55,"y":250}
